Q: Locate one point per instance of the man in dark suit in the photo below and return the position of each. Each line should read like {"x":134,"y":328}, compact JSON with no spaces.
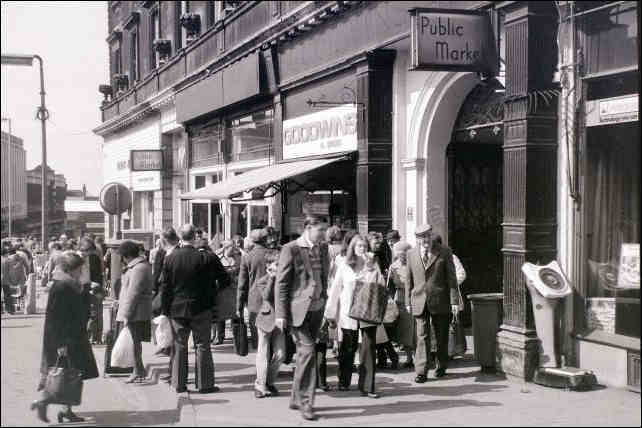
{"x":252,"y":268}
{"x":301,"y":292}
{"x":432,"y":290}
{"x":189,"y":279}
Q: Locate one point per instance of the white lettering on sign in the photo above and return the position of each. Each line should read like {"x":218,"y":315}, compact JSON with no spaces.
{"x":612,"y":110}
{"x":330,"y":131}
{"x":453,"y":40}
{"x":147,"y":160}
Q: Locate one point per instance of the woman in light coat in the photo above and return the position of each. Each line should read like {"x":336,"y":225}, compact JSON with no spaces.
{"x":359,"y":266}
{"x":135,"y":302}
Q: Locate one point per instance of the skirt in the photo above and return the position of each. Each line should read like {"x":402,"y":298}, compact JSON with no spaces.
{"x":142,"y":328}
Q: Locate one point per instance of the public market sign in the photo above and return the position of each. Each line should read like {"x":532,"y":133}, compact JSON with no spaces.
{"x":329,"y":131}
{"x":609,"y":111}
{"x":452,"y":40}
{"x":146,"y":160}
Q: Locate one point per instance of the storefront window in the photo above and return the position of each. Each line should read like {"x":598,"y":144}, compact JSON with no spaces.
{"x":199,"y":215}
{"x":251,"y":136}
{"x":143,"y":211}
{"x":612,"y":225}
{"x":259,"y":217}
{"x":239,"y":219}
{"x":206,"y":144}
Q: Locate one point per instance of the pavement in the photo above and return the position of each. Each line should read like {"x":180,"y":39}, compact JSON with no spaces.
{"x":465,"y":397}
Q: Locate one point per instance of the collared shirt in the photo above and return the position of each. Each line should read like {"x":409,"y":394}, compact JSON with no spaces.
{"x":170,"y":249}
{"x":425,"y":256}
{"x":317,"y":271}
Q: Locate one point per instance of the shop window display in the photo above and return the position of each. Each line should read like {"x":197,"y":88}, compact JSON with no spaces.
{"x":612,"y":225}
{"x":251,"y":136}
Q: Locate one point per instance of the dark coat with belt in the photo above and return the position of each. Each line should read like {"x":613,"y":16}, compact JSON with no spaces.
{"x":189,"y":281}
{"x":66,"y":325}
{"x":433,"y":286}
{"x":295,"y":282}
{"x":252,"y":269}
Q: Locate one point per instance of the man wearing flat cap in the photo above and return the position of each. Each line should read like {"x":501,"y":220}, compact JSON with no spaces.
{"x":432,"y":290}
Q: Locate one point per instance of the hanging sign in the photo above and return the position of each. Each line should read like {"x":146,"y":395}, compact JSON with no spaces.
{"x":329,"y":131}
{"x":609,"y":111}
{"x":452,"y":40}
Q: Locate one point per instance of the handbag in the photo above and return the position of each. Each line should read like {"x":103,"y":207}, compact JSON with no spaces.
{"x":163,"y":334}
{"x":392,"y":310}
{"x":239,"y":331}
{"x":369,"y":299}
{"x":63,"y":384}
{"x":456,"y":339}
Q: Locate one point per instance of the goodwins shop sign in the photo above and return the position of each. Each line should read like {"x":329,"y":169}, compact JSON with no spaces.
{"x":452,"y":40}
{"x":329,"y":131}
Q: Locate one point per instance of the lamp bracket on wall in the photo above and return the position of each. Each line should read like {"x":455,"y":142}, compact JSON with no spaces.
{"x":348,"y":97}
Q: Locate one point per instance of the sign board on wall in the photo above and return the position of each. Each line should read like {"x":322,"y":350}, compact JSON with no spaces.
{"x":452,"y":40}
{"x":329,"y":131}
{"x":146,"y":160}
{"x":609,"y":111}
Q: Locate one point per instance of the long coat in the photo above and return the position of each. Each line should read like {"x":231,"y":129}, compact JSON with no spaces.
{"x":66,"y":325}
{"x":295,"y":282}
{"x":265,"y":319}
{"x":433,"y":286}
{"x":251,"y":270}
{"x":135,"y":298}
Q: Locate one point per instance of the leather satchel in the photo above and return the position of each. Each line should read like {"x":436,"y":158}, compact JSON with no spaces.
{"x":63,"y":384}
{"x":369,"y":298}
{"x":239,"y":331}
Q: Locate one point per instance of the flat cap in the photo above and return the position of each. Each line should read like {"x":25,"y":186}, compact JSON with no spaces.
{"x":258,"y":235}
{"x":423,"y":229}
{"x":401,"y":246}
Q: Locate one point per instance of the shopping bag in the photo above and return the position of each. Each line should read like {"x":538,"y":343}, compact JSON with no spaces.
{"x":239,"y":331}
{"x":392,"y":312}
{"x":369,"y":298}
{"x":163,"y":334}
{"x":123,"y":353}
{"x":456,"y":339}
{"x":381,"y":335}
{"x":63,"y":384}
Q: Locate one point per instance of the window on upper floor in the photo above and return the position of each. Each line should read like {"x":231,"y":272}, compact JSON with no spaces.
{"x":154,"y":34}
{"x":134,"y":70}
{"x":251,"y":136}
{"x":180,"y":34}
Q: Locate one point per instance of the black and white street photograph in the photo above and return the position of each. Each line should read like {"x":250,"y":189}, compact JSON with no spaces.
{"x":320,"y":213}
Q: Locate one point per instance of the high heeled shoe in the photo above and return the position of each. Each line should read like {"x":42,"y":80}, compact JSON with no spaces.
{"x":70,"y":416}
{"x":135,"y":379}
{"x":42,"y":410}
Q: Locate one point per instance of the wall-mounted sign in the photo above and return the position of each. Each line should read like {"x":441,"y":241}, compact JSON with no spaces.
{"x":610,"y":111}
{"x":452,"y":40}
{"x":95,"y":225}
{"x":329,"y":131}
{"x":629,"y":274}
{"x":146,"y":160}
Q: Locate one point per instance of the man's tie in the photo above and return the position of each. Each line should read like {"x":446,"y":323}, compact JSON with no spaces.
{"x":424,"y":258}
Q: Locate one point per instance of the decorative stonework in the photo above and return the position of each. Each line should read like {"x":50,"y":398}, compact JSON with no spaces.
{"x":516,"y":354}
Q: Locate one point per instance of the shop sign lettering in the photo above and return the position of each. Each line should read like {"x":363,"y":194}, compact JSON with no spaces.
{"x":330,"y":131}
{"x":146,"y":160}
{"x":443,"y":39}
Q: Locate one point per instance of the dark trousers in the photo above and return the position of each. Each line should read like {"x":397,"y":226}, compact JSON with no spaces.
{"x":139,"y":368}
{"x":95,"y":325}
{"x":387,"y":350}
{"x":8,"y":298}
{"x":305,"y":373}
{"x":367,"y":363}
{"x":322,"y":364}
{"x":219,"y":331}
{"x":347,"y":349}
{"x":200,"y":326}
{"x":422,"y":356}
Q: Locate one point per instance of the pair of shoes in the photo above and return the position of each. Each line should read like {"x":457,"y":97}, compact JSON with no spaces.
{"x":343,"y":388}
{"x":308,"y":414}
{"x":370,"y":394}
{"x":273,"y":390}
{"x":70,"y":416}
{"x":440,"y":372}
{"x":209,"y":390}
{"x":135,"y":379}
{"x":325,"y":388}
{"x":181,"y":390}
{"x":260,"y":394}
{"x":421,"y":378}
{"x":165,"y":377}
{"x":294,"y":406}
{"x":42,"y":410}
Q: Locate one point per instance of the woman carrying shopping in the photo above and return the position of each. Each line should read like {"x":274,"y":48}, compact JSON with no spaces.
{"x":398,"y":277}
{"x":359,"y":265}
{"x":65,"y":330}
{"x":135,"y":303}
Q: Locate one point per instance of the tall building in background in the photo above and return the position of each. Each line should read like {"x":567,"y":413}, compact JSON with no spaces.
{"x":14,"y":184}
{"x":56,"y":194}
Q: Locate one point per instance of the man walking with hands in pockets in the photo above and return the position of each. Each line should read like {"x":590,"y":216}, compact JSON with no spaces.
{"x":300,"y":295}
{"x":432,"y":290}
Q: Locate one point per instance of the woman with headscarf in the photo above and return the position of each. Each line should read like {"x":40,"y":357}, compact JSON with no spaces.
{"x":65,"y":330}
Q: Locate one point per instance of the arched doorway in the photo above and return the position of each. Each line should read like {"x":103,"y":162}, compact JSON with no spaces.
{"x":475,"y":192}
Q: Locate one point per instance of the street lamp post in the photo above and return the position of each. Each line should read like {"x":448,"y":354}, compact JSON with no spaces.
{"x":42,"y":115}
{"x":10,"y":148}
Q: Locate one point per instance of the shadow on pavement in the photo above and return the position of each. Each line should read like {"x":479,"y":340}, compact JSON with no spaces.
{"x":134,"y":418}
{"x":400,"y":407}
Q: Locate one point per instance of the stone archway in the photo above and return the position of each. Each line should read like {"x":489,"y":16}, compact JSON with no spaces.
{"x":432,"y":122}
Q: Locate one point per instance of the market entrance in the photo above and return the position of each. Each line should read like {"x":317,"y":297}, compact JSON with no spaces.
{"x":475,"y":193}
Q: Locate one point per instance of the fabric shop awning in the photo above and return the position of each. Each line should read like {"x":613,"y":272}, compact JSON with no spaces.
{"x":256,"y":178}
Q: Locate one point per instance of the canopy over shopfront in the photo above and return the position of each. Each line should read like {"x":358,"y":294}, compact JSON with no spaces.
{"x":268,"y":176}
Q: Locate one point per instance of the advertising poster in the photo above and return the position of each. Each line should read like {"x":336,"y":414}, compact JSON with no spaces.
{"x":629,"y":273}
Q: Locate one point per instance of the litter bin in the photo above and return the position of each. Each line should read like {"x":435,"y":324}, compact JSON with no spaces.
{"x":487,"y":314}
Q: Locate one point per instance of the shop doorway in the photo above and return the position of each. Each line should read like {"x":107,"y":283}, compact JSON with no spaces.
{"x":475,"y":216}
